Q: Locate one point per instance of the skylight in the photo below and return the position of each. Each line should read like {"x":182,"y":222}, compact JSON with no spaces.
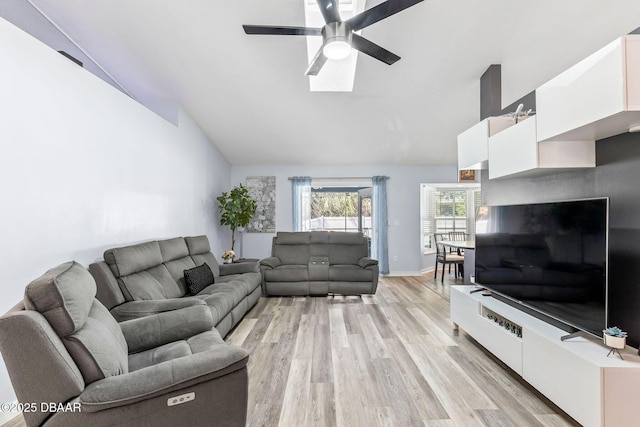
{"x":336,"y":75}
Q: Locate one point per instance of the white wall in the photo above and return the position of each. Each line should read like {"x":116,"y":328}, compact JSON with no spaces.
{"x":403,"y":197}
{"x":84,"y":168}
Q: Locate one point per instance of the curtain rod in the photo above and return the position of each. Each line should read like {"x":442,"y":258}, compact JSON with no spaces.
{"x":338,"y":177}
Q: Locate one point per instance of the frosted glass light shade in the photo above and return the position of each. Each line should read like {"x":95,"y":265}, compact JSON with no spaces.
{"x":336,"y":49}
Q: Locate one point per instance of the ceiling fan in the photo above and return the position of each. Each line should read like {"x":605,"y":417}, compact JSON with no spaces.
{"x":338,"y":36}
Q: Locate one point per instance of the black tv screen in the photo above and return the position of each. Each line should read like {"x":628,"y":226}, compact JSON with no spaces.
{"x":548,"y":257}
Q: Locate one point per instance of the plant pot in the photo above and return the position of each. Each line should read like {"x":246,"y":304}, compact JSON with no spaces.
{"x":615,"y":342}
{"x":228,"y":261}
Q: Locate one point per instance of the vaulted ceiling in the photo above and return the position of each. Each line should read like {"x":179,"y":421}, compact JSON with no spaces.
{"x":249,"y":94}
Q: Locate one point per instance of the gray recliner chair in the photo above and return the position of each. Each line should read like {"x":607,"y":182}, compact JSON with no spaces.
{"x":75,"y":365}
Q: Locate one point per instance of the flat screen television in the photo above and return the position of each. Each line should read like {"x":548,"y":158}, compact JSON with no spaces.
{"x":548,"y":258}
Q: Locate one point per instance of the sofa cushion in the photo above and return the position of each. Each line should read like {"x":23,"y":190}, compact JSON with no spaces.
{"x":235,"y":289}
{"x":153,"y":283}
{"x":198,"y":278}
{"x":346,"y":253}
{"x":292,"y":248}
{"x":99,"y":347}
{"x":248,"y":281}
{"x":176,"y":269}
{"x":345,"y":248}
{"x":220,"y":304}
{"x":349,"y":273}
{"x":287,"y":273}
{"x":197,"y":244}
{"x":65,"y":296}
{"x":321,"y":237}
{"x":173,"y":249}
{"x":292,"y":254}
{"x":132,"y":259}
{"x":158,"y":355}
{"x":200,"y":252}
{"x":238,"y":281}
{"x":347,"y":239}
{"x":293,"y":238}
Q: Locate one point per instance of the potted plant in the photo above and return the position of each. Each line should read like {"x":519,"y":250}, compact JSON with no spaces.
{"x":614,"y":337}
{"x":236,"y":209}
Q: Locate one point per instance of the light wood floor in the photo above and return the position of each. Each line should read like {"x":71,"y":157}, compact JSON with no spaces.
{"x":386,"y":360}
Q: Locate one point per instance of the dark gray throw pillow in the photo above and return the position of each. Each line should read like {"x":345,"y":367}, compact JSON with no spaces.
{"x":198,"y":278}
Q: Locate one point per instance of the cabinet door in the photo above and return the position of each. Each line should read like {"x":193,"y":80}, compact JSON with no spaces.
{"x":473,"y":143}
{"x":467,"y":313}
{"x":568,"y":380}
{"x":622,"y":394}
{"x":589,"y":91}
{"x":514,"y":150}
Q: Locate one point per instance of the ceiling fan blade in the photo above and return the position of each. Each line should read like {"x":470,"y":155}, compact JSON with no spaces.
{"x":379,"y":12}
{"x":373,"y":50}
{"x":283,"y":31}
{"x":316,"y":63}
{"x":329,"y":10}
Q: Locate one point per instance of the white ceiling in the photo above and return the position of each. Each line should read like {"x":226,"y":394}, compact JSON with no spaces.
{"x":250,"y":95}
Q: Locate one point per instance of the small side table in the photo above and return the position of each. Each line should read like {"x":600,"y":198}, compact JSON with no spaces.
{"x":239,"y":260}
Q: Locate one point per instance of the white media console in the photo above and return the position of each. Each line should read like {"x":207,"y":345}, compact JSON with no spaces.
{"x":575,"y":374}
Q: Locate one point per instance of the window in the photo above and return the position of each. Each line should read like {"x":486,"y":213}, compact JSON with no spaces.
{"x":341,"y":209}
{"x":445,"y":209}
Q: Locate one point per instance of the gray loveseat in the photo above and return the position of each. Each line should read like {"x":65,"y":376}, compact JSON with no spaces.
{"x":71,"y":363}
{"x":148,"y":278}
{"x":319,"y":263}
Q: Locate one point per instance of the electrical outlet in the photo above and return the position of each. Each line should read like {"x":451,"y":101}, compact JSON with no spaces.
{"x":395,"y":257}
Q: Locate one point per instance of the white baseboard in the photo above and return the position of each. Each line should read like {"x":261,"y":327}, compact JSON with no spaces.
{"x":403,"y":273}
{"x":5,"y":417}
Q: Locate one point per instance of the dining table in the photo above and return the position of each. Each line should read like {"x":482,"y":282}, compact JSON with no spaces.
{"x":469,"y":247}
{"x":459,"y":244}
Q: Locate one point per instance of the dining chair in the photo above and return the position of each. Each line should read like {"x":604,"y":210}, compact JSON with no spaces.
{"x":457,"y":236}
{"x":445,"y":258}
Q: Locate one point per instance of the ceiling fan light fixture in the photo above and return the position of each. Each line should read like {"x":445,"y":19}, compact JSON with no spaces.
{"x":336,"y":49}
{"x":336,"y":40}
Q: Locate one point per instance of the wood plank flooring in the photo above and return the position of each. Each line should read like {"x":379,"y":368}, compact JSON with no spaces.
{"x":391,"y":359}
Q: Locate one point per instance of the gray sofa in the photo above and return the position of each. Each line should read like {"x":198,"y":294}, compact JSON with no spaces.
{"x":71,"y":363}
{"x":148,"y":278}
{"x":319,"y":263}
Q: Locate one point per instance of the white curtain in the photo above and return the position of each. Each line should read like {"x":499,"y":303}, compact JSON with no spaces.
{"x":301,"y":202}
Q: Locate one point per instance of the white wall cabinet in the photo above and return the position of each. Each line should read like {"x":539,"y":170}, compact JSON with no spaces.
{"x":472,"y":143}
{"x":597,"y":98}
{"x":516,"y":151}
{"x":576,"y":374}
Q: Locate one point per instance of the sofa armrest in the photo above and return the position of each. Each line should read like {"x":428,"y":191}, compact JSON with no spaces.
{"x":146,"y":383}
{"x":365,"y":262}
{"x":135,"y":309}
{"x":239,"y":268}
{"x":271,"y":262}
{"x":159,"y":329}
